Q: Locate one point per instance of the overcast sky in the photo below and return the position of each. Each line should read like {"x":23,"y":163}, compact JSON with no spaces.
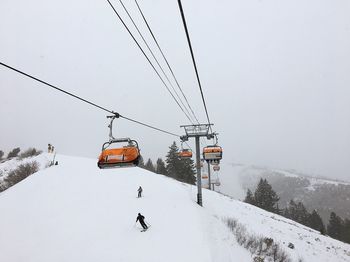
{"x":275,"y":75}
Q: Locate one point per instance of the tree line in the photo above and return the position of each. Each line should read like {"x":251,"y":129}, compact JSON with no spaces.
{"x":266,"y":198}
{"x":180,"y":169}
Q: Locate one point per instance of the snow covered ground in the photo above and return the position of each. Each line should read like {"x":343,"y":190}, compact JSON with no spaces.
{"x":76,"y":212}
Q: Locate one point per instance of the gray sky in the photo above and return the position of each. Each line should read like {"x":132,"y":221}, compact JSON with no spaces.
{"x":275,"y":75}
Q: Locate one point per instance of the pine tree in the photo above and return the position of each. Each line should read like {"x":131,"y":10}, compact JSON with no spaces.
{"x":187,"y":171}
{"x":265,"y":197}
{"x":141,"y":162}
{"x":1,"y":154}
{"x":160,"y":167}
{"x":346,"y":231}
{"x":286,"y":213}
{"x":335,"y":226}
{"x":298,"y":213}
{"x":180,"y":169}
{"x":315,"y":222}
{"x":249,"y":198}
{"x":173,"y":161}
{"x":149,"y":165}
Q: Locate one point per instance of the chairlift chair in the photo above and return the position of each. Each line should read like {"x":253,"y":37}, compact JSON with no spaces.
{"x":212,"y":153}
{"x":118,"y":156}
{"x":121,"y":156}
{"x":185,"y":153}
{"x":216,"y":167}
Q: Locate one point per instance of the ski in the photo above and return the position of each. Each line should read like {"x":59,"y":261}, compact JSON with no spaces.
{"x":144,"y":230}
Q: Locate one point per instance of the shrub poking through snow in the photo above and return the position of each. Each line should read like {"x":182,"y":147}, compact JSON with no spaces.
{"x":20,"y":173}
{"x":263,"y":249}
{"x":13,"y":153}
{"x":29,"y":153}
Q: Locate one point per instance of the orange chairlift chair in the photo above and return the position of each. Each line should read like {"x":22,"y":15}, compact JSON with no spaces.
{"x":185,"y":152}
{"x":213,"y":153}
{"x":121,"y":156}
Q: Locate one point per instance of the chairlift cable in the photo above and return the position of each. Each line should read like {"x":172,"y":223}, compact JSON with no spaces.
{"x":166,"y":60}
{"x":149,"y":126}
{"x":57,"y":88}
{"x":149,"y":61}
{"x":86,"y":101}
{"x":155,"y":58}
{"x":194,"y":61}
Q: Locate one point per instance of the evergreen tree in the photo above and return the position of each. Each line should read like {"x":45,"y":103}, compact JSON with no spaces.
{"x":346,"y":231}
{"x":187,"y":171}
{"x":149,"y":165}
{"x":315,"y":222}
{"x":298,"y":213}
{"x":160,"y":167}
{"x":141,"y":162}
{"x":286,"y":213}
{"x":180,"y":169}
{"x":265,"y":197}
{"x":249,"y":198}
{"x":1,"y":154}
{"x":173,"y":161}
{"x":335,"y":226}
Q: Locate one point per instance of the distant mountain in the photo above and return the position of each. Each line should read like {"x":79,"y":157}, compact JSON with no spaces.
{"x":323,"y":194}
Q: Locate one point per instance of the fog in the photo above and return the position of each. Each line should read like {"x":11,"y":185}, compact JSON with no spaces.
{"x":275,"y":76}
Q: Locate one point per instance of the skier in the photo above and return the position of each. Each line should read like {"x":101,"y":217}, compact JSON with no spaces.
{"x":142,"y":222}
{"x":139,"y":192}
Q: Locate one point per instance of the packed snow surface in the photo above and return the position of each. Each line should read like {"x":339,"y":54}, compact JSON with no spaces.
{"x":77,"y":212}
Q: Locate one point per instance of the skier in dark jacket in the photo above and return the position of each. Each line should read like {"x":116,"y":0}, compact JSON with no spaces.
{"x":139,"y":192}
{"x":141,"y":218}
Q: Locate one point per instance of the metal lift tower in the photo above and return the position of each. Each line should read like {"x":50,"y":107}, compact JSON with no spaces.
{"x":197,"y":131}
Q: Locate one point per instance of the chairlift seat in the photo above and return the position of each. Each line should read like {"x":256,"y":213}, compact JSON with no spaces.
{"x":125,"y":156}
{"x":185,"y":153}
{"x":212,"y":153}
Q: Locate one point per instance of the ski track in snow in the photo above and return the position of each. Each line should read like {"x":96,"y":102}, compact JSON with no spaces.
{"x":76,"y":212}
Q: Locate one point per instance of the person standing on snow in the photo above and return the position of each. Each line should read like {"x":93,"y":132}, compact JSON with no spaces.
{"x":139,"y":192}
{"x":141,"y":218}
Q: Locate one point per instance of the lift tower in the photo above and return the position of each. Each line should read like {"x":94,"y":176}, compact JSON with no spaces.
{"x":197,"y":131}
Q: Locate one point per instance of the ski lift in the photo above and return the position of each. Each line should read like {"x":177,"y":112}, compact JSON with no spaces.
{"x":216,"y":167}
{"x":118,"y":156}
{"x":185,"y":152}
{"x":213,"y":153}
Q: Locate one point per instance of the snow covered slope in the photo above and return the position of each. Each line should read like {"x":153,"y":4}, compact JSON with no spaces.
{"x":76,"y":212}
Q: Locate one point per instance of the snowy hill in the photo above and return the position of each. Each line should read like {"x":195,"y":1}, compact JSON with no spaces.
{"x":76,"y":212}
